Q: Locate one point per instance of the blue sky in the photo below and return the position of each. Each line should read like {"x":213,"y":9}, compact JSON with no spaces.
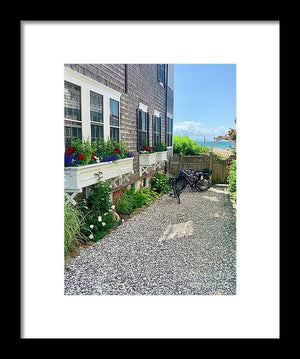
{"x":204,"y":99}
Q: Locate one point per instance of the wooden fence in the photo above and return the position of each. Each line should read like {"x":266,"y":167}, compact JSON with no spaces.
{"x":219,"y":166}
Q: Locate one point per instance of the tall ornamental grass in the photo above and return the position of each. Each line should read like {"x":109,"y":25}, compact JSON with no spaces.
{"x":72,"y":225}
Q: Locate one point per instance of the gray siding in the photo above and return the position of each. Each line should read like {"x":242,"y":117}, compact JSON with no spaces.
{"x":142,"y":87}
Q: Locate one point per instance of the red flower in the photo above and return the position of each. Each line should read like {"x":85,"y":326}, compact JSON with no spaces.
{"x":70,"y":150}
{"x":93,"y":158}
{"x":117,"y":150}
{"x":81,"y":156}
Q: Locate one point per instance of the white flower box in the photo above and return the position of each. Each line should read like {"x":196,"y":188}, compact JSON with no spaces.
{"x":77,"y":178}
{"x":147,"y":159}
{"x":161,"y":156}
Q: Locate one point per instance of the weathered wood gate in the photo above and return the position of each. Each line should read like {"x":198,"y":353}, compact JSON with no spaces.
{"x":219,"y":166}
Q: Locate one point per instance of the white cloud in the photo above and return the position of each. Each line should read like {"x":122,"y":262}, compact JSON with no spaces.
{"x":196,"y":130}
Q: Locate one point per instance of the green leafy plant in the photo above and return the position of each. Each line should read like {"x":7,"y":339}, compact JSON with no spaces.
{"x":82,"y":153}
{"x":231,"y":179}
{"x":138,"y":199}
{"x":148,"y":195}
{"x":160,"y":183}
{"x":125,"y":203}
{"x":131,"y":199}
{"x":73,"y":221}
{"x":187,"y":146}
{"x":161,"y":146}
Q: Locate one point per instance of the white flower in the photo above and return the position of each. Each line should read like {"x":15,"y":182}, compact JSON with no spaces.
{"x":99,"y":218}
{"x":113,"y":206}
{"x":105,"y":214}
{"x":103,"y":223}
{"x":91,"y":226}
{"x":85,"y":207}
{"x":91,"y":236}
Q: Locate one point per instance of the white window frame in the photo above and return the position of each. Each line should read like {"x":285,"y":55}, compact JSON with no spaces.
{"x":88,"y":85}
{"x":110,"y":126}
{"x":143,"y":107}
{"x":95,"y":123}
{"x":75,"y":121}
{"x":156,"y":113}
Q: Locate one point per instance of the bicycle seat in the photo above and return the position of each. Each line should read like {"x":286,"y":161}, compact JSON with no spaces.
{"x":206,"y":171}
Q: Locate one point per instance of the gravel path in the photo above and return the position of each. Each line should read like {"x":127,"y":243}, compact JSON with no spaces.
{"x":166,"y":249}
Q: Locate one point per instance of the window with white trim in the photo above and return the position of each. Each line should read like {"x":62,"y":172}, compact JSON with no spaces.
{"x":96,"y":116}
{"x":72,"y":107}
{"x":161,"y":73}
{"x":114,"y":120}
{"x":88,"y":113}
{"x":143,"y":129}
{"x":156,"y":130}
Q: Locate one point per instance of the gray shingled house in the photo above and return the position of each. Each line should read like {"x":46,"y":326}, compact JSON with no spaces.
{"x":132,"y":103}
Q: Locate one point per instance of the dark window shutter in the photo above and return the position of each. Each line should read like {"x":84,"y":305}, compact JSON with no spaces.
{"x":153,"y":124}
{"x":158,"y":73}
{"x":161,"y":73}
{"x":171,"y":132}
{"x":148,"y":128}
{"x":139,"y":129}
{"x":159,"y":119}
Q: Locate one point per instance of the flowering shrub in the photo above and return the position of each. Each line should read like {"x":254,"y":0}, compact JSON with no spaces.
{"x":97,"y":209}
{"x":160,"y":183}
{"x":82,"y":153}
{"x":231,"y":135}
{"x":147,"y":149}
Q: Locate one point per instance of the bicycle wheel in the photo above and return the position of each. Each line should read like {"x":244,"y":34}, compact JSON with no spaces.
{"x":176,"y":193}
{"x":203,"y":184}
{"x":181,"y":184}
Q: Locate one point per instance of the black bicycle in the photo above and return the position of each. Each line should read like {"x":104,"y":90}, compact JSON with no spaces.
{"x":175,"y":190}
{"x":198,"y":180}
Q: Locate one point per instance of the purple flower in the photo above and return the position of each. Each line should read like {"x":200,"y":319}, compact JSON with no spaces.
{"x":69,"y":160}
{"x":110,"y":158}
{"x":130,"y":154}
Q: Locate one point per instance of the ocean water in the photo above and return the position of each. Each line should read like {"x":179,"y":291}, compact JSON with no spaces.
{"x":220,"y":144}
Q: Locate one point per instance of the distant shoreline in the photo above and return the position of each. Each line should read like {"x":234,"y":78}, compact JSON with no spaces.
{"x":221,"y":144}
